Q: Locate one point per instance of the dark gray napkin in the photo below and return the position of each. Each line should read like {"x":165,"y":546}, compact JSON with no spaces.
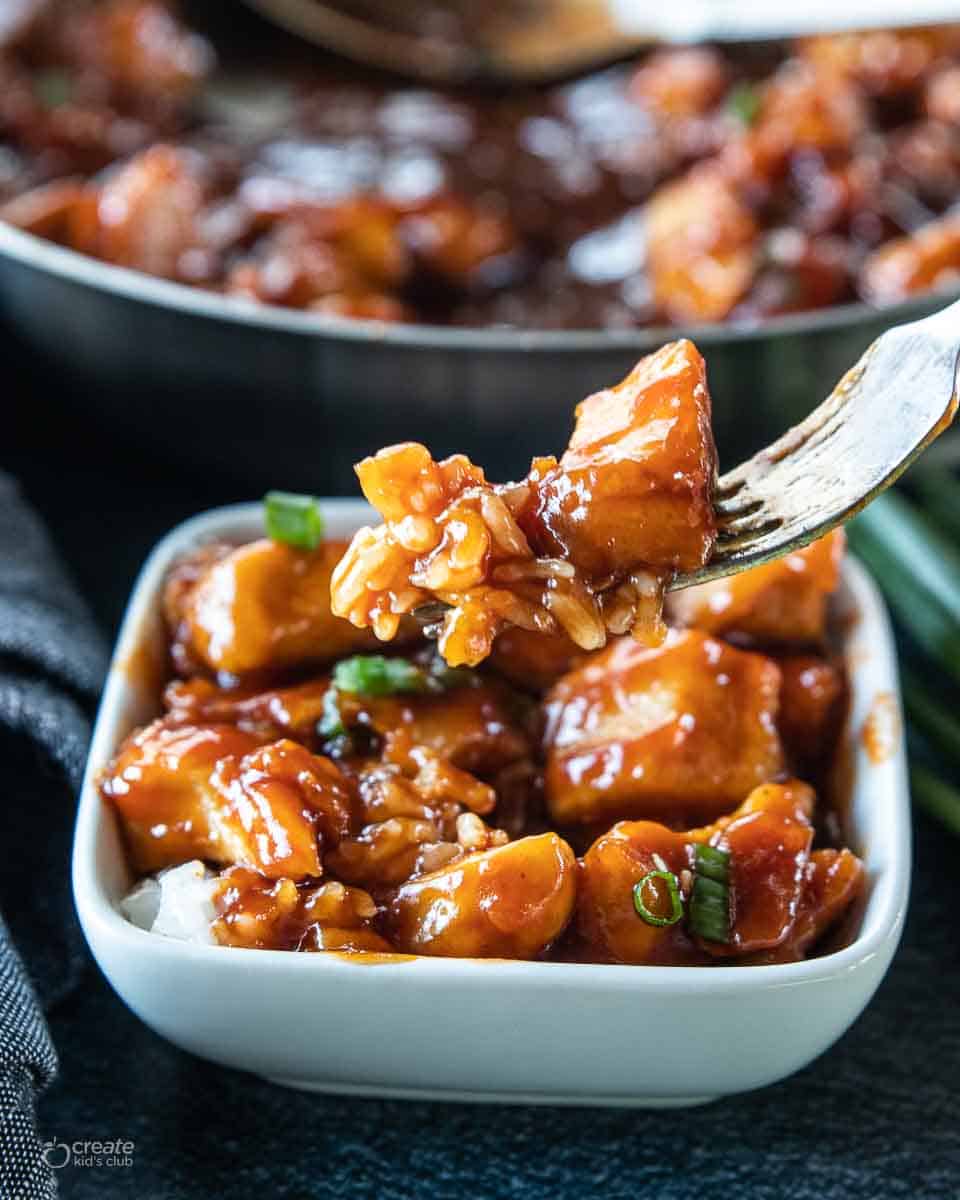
{"x":52,"y":661}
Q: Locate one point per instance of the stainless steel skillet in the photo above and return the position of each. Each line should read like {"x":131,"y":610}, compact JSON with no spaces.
{"x":271,"y":395}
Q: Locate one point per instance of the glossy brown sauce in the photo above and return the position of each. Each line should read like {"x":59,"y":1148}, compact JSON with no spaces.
{"x":882,"y":730}
{"x":470,"y":711}
{"x":292,"y":180}
{"x":636,"y":803}
{"x":146,"y":667}
{"x":367,"y":958}
{"x":582,"y":548}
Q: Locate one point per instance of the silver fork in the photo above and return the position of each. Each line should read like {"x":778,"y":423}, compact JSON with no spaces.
{"x":882,"y":414}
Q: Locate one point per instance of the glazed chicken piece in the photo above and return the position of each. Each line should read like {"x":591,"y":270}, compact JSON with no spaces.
{"x":769,"y":839}
{"x":93,"y":82}
{"x":389,"y":853}
{"x":812,"y":699}
{"x":49,"y":211}
{"x":62,"y":136}
{"x":416,"y":816}
{"x":336,"y":258}
{"x":159,"y":783}
{"x":360,"y":257}
{"x":471,"y":726}
{"x":680,"y":82}
{"x":533,"y":661}
{"x":921,"y":174}
{"x":608,"y":927}
{"x":275,"y":914}
{"x":778,"y":897}
{"x":702,"y":246}
{"x":146,"y":55}
{"x":145,"y":215}
{"x":886,"y":62}
{"x":475,"y":727}
{"x":412,"y":759}
{"x":292,"y":712}
{"x":582,"y":546}
{"x":186,"y":792}
{"x":942,"y":96}
{"x":259,"y":607}
{"x":833,"y":881}
{"x":511,"y":901}
{"x":217,"y":793}
{"x":679,"y":732}
{"x":780,"y":603}
{"x":455,"y":241}
{"x":929,"y":258}
{"x":705,"y":253}
{"x":239,"y":906}
{"x":802,"y":109}
{"x":135,"y":52}
{"x":634,"y":488}
{"x":800,"y":271}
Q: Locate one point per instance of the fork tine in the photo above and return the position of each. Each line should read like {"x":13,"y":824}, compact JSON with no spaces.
{"x":757,"y":523}
{"x":881,"y":415}
{"x":728,"y":512}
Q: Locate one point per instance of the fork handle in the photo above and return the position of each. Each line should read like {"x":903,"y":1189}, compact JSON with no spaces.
{"x":735,"y":21}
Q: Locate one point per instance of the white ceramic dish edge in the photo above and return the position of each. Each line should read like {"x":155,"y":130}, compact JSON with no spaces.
{"x":558,"y":1033}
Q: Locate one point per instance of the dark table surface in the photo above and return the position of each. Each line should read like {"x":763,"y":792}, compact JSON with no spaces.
{"x":878,"y":1116}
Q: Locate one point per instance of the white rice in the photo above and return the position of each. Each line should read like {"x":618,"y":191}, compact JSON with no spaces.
{"x":177,"y":903}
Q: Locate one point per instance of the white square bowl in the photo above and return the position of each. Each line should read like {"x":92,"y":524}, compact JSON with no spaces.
{"x":460,"y":1029}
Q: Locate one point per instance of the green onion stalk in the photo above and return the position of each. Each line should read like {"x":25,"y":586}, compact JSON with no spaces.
{"x":710,"y":898}
{"x":913,"y":555}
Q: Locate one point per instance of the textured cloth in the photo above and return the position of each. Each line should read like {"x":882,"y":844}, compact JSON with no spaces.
{"x":52,"y":661}
{"x":875,"y":1117}
{"x":27,"y":1064}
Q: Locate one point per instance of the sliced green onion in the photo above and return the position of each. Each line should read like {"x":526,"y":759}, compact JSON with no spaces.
{"x":710,"y":899}
{"x":374,"y":675}
{"x":673,"y":892}
{"x":931,"y":716}
{"x":743,"y":102}
{"x":710,"y":910}
{"x":712,"y":862}
{"x":936,"y":797}
{"x":940,"y":731}
{"x":939,"y":489}
{"x":918,"y":572}
{"x":922,"y":550}
{"x":914,"y":558}
{"x":296,"y":520}
{"x":331,"y":720}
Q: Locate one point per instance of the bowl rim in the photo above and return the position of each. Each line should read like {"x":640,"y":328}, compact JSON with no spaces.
{"x":869,"y":636}
{"x":40,"y":254}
